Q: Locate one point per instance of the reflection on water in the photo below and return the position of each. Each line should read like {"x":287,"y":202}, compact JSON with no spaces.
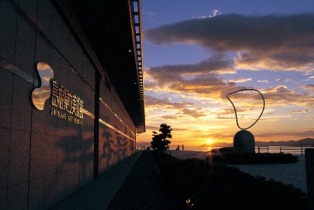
{"x":41,"y":94}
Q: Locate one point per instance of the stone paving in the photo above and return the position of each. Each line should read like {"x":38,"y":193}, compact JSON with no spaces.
{"x":97,"y":194}
{"x":142,"y":189}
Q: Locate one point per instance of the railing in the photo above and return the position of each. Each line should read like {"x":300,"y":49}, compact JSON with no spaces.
{"x":296,"y":149}
{"x":266,"y":148}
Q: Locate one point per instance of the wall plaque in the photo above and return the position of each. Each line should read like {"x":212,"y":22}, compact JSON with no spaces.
{"x":65,"y":104}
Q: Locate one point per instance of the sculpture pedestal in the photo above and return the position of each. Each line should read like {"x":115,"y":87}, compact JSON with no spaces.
{"x":244,"y":142}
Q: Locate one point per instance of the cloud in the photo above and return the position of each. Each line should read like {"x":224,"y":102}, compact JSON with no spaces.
{"x":241,"y":80}
{"x":262,"y":42}
{"x":282,"y":95}
{"x":217,"y":64}
{"x":309,"y":88}
{"x":215,"y":12}
{"x":293,"y":135}
{"x":199,"y":78}
{"x":165,"y":103}
{"x":263,"y":81}
{"x":196,"y":113}
{"x":228,"y":114}
{"x":283,"y":80}
{"x":181,"y":108}
{"x":185,"y":81}
{"x":170,"y":117}
{"x":304,"y":111}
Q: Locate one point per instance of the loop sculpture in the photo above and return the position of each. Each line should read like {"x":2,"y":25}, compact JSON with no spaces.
{"x":243,"y":140}
{"x":235,"y":110}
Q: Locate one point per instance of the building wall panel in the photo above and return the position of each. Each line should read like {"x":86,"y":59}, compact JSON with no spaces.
{"x":3,"y":198}
{"x":45,"y":158}
{"x":21,"y":108}
{"x":17,"y":197}
{"x":8,"y":24}
{"x":5,"y":136}
{"x":18,"y":157}
{"x":25,"y":47}
{"x":6,"y":91}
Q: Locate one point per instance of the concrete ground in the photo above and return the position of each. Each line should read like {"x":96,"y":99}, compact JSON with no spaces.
{"x":99,"y":193}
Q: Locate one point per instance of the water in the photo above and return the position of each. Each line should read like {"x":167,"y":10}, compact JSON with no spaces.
{"x":269,"y":149}
{"x":290,"y":174}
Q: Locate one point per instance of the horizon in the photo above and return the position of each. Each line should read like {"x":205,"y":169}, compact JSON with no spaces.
{"x":228,"y":144}
{"x":195,"y":54}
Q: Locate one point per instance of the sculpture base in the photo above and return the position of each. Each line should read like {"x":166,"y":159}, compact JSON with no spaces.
{"x":244,"y":142}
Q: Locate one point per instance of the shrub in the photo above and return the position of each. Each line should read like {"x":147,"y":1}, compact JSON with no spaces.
{"x":260,"y":158}
{"x":197,"y":184}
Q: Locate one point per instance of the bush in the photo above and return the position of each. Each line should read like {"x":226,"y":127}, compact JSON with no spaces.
{"x":260,"y":158}
{"x":197,"y":184}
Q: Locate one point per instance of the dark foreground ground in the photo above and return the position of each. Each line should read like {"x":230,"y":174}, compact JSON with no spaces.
{"x":159,"y":181}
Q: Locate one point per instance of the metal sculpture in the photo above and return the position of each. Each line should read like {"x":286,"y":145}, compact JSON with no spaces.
{"x":243,"y":140}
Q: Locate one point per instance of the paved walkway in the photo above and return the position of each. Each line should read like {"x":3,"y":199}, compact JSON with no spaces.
{"x":99,"y":193}
{"x":142,"y":190}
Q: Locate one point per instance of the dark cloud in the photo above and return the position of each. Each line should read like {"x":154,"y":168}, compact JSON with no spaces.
{"x":165,"y":103}
{"x":196,"y":113}
{"x":310,"y":88}
{"x":205,"y":85}
{"x":228,"y":114}
{"x":282,"y":95}
{"x":171,"y":117}
{"x":270,"y":42}
{"x":155,"y":128}
{"x":215,"y":64}
{"x":183,"y":108}
{"x":200,"y":78}
{"x":283,"y":135}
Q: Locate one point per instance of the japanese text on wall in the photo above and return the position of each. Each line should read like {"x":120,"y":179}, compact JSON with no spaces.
{"x":70,"y":106}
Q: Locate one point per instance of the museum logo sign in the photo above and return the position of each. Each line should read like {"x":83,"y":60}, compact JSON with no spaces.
{"x":65,"y":104}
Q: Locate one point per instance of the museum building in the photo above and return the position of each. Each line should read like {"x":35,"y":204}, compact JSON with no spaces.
{"x":71,"y":95}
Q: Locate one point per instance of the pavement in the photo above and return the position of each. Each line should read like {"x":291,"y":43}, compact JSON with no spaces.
{"x":101,"y":191}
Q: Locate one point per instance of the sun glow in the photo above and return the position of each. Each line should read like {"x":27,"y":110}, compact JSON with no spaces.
{"x":209,"y":142}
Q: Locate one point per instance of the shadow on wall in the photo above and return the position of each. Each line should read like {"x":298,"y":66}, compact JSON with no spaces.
{"x":113,"y":148}
{"x":68,"y":165}
{"x":75,"y":160}
{"x":61,"y":164}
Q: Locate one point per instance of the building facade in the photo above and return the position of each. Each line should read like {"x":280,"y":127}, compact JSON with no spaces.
{"x":71,"y":95}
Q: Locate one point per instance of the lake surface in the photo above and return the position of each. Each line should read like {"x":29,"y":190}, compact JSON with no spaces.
{"x":290,"y":173}
{"x":271,"y":149}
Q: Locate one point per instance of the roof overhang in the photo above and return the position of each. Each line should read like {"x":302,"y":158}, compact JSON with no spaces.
{"x":110,"y":32}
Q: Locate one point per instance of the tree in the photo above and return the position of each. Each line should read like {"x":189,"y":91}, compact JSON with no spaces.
{"x":159,"y":141}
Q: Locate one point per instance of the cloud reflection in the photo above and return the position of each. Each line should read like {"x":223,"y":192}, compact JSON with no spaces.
{"x":43,"y":92}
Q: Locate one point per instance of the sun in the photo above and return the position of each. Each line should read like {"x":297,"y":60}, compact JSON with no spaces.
{"x":209,"y":142}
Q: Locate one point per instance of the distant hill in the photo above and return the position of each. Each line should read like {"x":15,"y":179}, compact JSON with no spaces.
{"x":301,"y":142}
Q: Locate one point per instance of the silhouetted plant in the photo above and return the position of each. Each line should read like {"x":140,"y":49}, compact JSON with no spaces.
{"x":196,"y":184}
{"x":262,"y":158}
{"x":159,"y":141}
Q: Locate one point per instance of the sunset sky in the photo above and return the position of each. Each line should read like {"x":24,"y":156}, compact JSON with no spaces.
{"x":197,"y":51}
